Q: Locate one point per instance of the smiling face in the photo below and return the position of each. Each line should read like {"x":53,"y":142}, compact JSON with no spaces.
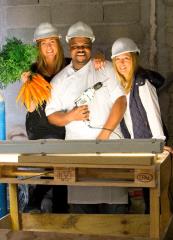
{"x":124,"y":64}
{"x":49,"y":48}
{"x":80,"y":50}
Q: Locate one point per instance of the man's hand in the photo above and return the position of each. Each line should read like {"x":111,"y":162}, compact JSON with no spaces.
{"x":63,"y":118}
{"x":79,"y":113}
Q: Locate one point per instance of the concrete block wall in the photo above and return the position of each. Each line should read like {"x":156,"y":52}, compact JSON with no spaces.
{"x":109,"y":19}
{"x":165,"y":60}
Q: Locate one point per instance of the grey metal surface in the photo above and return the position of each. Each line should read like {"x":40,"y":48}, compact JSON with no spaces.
{"x":82,"y":146}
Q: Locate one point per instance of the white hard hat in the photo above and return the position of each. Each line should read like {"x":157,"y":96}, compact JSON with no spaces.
{"x":80,"y":29}
{"x":45,"y":30}
{"x":124,"y":45}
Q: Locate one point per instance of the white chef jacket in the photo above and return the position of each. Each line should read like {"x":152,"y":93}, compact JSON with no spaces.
{"x":67,"y":86}
{"x":149,"y":99}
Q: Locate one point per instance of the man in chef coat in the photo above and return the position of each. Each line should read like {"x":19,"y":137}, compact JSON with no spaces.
{"x":98,"y":119}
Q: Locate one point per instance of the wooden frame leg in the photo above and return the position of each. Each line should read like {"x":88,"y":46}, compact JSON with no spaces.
{"x":14,"y":211}
{"x":154,"y":214}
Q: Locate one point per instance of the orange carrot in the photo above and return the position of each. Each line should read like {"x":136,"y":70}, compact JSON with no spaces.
{"x":22,"y":89}
{"x":36,"y":90}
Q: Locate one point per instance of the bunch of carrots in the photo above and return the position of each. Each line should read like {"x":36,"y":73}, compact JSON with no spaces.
{"x":36,"y":90}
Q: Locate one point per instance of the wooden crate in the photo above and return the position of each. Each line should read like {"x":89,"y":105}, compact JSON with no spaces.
{"x":145,"y":170}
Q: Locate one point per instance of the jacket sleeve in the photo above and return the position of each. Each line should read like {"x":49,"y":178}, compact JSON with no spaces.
{"x":150,"y":102}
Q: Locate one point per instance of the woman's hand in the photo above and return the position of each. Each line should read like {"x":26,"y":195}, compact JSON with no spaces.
{"x":169,"y":149}
{"x":99,"y":61}
{"x":25,"y":77}
{"x":32,"y":107}
{"x":104,"y":135}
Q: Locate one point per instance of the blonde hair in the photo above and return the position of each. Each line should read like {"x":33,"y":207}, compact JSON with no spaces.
{"x":58,"y":63}
{"x":127,"y":82}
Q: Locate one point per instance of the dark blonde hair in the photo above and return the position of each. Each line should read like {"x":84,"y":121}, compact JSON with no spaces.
{"x":127,"y":82}
{"x":59,"y":62}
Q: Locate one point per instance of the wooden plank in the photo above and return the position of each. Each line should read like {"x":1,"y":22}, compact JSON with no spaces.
{"x":108,"y":159}
{"x":82,"y":172}
{"x":8,"y":170}
{"x":77,"y":165}
{"x":165,"y":175}
{"x":112,"y":225}
{"x":154,"y":214}
{"x":28,"y":235}
{"x":165,"y":217}
{"x":14,"y":211}
{"x":92,"y":182}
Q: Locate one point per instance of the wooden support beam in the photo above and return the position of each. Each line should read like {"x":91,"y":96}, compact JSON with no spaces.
{"x":14,"y":211}
{"x":154,"y":214}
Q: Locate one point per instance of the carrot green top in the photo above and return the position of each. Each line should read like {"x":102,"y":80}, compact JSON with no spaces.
{"x":15,"y":58}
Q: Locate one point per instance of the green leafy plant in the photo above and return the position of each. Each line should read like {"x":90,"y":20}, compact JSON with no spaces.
{"x":15,"y":58}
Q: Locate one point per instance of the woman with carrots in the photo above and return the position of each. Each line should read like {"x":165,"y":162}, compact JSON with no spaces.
{"x":36,"y":83}
{"x":49,"y":62}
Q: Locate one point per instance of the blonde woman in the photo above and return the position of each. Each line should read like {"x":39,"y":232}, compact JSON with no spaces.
{"x":49,"y":62}
{"x":142,"y":118}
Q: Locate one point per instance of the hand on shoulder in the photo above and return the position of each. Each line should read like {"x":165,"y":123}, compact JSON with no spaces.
{"x":99,"y":61}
